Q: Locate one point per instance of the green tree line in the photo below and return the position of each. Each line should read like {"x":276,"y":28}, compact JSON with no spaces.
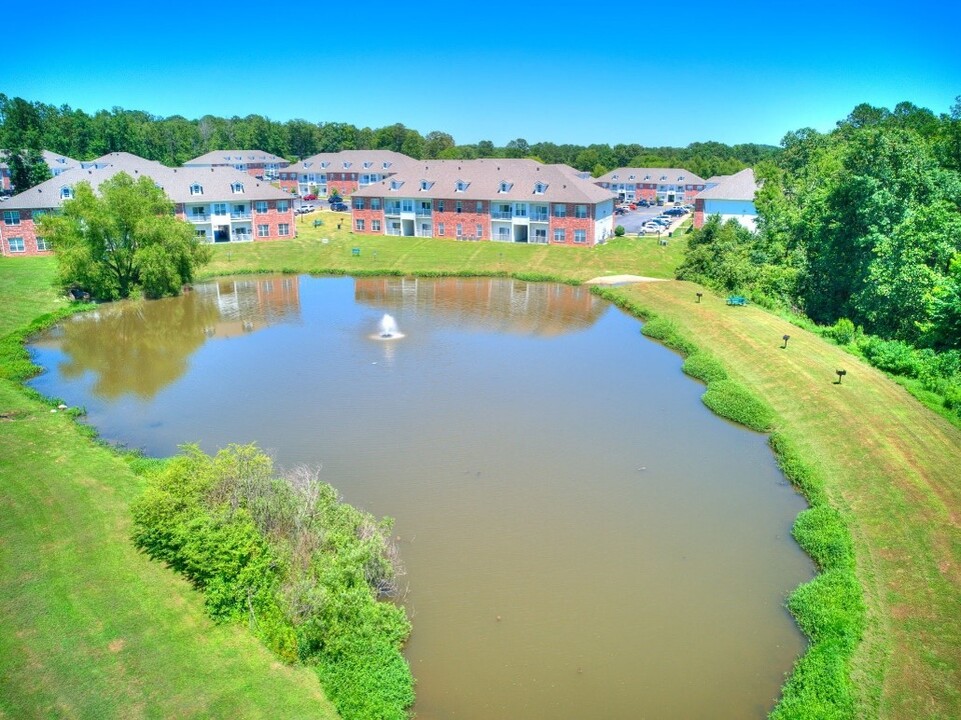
{"x":174,"y":140}
{"x":859,"y":231}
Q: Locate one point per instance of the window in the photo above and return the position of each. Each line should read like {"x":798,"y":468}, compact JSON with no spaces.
{"x":396,"y":184}
{"x":375,"y":225}
{"x":580,"y":211}
{"x":540,"y":235}
{"x":560,"y":235}
{"x":200,"y":234}
{"x":359,"y":225}
{"x":480,"y":206}
{"x":505,"y":187}
{"x":66,"y":193}
{"x":42,"y":244}
{"x":263,"y":230}
{"x":440,"y":228}
{"x":461,"y":186}
{"x":358,"y":203}
{"x":15,"y":245}
{"x":11,"y":217}
{"x":236,"y":188}
{"x":260,"y":206}
{"x":459,"y":207}
{"x":407,"y":206}
{"x":580,"y":236}
{"x":479,"y":230}
{"x":283,"y":205}
{"x":539,"y":188}
{"x":346,"y":165}
{"x":283,"y":229}
{"x":440,"y":206}
{"x":196,"y":189}
{"x":367,"y":165}
{"x":425,"y":185}
{"x":375,"y":203}
{"x":560,"y":211}
{"x":460,"y":230}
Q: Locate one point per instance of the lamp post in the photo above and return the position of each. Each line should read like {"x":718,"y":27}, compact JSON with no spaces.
{"x":785,"y":338}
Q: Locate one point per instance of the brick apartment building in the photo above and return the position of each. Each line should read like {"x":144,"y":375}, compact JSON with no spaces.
{"x":257,"y":163}
{"x":491,"y":199}
{"x":656,"y":185}
{"x":223,"y":204}
{"x":345,"y":171}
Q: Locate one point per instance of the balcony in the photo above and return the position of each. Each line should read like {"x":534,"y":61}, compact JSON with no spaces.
{"x":500,"y":215}
{"x":423,"y":212}
{"x":539,"y":217}
{"x":240,"y":216}
{"x":392,"y":210}
{"x":198,"y":218}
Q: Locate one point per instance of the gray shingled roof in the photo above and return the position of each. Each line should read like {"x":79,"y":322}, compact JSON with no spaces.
{"x":234,"y":157}
{"x":176,"y":182}
{"x":484,"y":178}
{"x":673,"y":176}
{"x":740,"y":186}
{"x":357,"y":159}
{"x":52,"y":159}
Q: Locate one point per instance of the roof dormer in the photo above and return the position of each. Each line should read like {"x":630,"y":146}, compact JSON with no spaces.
{"x":505,"y":187}
{"x":66,"y":192}
{"x":396,"y":184}
{"x":461,"y":185}
{"x":196,"y":189}
{"x":237,"y":188}
{"x":426,"y":185}
{"x":540,"y":188}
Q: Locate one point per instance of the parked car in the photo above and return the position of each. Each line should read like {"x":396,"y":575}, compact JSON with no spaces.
{"x":619,"y":210}
{"x":307,"y":208}
{"x":652,"y":227}
{"x":339,"y":207}
{"x":310,"y":197}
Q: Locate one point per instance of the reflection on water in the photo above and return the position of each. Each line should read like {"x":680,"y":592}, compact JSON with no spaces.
{"x":582,"y":537}
{"x":140,"y":347}
{"x":510,"y":305}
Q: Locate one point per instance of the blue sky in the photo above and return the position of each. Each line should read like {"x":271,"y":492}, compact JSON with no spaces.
{"x":564,"y":72}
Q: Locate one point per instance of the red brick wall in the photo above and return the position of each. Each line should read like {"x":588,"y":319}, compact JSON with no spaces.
{"x":26,"y":230}
{"x":4,"y":179}
{"x":698,"y":213}
{"x":273,"y":218}
{"x":344,"y":183}
{"x":570,"y":224}
{"x":469,"y":219}
{"x":368,"y":216}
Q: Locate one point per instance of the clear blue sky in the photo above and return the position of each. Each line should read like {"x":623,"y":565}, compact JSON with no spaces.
{"x":564,"y":72}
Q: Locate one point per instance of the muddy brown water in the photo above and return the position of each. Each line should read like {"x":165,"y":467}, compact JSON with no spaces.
{"x":582,"y":537}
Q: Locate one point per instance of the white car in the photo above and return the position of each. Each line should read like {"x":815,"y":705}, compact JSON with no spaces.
{"x":307,"y":208}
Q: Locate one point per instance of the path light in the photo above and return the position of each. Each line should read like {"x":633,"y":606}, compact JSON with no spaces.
{"x":699,"y":296}
{"x":785,"y":338}
{"x":841,"y":374}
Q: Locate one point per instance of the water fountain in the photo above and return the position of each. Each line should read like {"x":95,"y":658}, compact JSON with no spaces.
{"x":388,"y":328}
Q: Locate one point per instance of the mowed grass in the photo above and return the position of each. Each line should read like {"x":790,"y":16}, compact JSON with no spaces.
{"x":891,"y":466}
{"x":91,"y":628}
{"x":379,"y":253}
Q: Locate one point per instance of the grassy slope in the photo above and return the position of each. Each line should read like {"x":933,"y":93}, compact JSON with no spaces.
{"x":306,"y":253}
{"x":91,"y":627}
{"x":893,"y":467}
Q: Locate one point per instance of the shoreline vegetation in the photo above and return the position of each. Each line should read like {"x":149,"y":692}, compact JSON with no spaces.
{"x":878,"y":469}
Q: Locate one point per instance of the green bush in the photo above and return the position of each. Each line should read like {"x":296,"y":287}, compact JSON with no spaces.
{"x":842,"y":332}
{"x":705,"y":367}
{"x":619,"y":231}
{"x":730,"y":400}
{"x":283,"y":556}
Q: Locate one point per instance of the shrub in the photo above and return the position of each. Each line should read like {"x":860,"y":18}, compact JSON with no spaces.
{"x":842,"y":332}
{"x":705,"y":367}
{"x":892,"y":356}
{"x":619,"y":231}
{"x":730,"y":400}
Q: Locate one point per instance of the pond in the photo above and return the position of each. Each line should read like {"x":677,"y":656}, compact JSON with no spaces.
{"x":582,"y":537}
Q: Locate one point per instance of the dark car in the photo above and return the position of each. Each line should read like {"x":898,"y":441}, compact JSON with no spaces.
{"x":310,"y":197}
{"x":338,"y":206}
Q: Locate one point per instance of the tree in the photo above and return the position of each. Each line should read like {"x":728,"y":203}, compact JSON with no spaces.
{"x":27,"y":169}
{"x":436,"y":142}
{"x":122,"y":239}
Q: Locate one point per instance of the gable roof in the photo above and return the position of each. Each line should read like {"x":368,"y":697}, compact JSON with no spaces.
{"x":484,"y":178}
{"x":234,"y":157}
{"x":739,"y":186}
{"x":360,"y":161}
{"x":176,"y":182}
{"x":673,"y":176}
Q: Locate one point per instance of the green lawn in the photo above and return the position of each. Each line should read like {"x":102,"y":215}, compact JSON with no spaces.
{"x":92,"y":628}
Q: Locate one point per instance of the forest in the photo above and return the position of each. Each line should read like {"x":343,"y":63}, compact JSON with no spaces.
{"x":26,"y":125}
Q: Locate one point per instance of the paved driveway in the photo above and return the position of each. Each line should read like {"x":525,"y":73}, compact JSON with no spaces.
{"x":634,"y":219}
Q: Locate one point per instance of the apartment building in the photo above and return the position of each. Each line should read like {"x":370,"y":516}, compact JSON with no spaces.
{"x":223,"y":204}
{"x":257,"y":163}
{"x":505,"y":200}
{"x":656,"y":185}
{"x":729,"y":197}
{"x":346,"y":171}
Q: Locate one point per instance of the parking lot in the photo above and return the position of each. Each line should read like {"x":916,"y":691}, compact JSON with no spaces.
{"x":634,"y":220}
